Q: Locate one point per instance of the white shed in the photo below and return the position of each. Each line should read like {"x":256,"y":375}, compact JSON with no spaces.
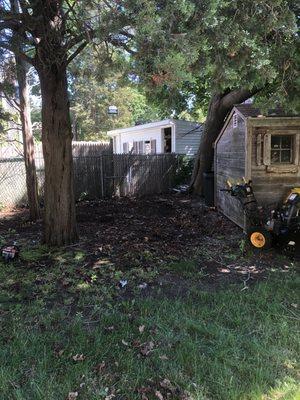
{"x":167,"y":136}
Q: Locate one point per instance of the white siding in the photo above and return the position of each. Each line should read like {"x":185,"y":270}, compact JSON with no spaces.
{"x":185,"y":142}
{"x":142,"y":135}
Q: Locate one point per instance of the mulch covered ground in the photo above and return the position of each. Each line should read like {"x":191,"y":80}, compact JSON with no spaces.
{"x":176,"y":234}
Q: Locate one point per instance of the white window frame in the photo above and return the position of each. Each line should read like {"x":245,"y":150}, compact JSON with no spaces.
{"x":291,"y":149}
{"x":288,"y":167}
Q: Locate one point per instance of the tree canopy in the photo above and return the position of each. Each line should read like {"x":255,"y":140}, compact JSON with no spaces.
{"x":214,"y":54}
{"x":101,"y":77}
{"x":194,"y":49}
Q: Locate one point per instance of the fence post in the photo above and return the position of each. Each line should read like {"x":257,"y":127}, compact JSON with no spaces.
{"x":102,"y":177}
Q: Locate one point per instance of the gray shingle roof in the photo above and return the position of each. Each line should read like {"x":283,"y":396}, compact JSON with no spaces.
{"x":248,"y":110}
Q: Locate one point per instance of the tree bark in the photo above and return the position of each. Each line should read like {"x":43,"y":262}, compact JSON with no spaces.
{"x":60,"y":220}
{"x":28,"y":143}
{"x":220,"y":105}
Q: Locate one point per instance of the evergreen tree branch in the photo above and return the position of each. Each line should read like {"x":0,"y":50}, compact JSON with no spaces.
{"x":76,"y":52}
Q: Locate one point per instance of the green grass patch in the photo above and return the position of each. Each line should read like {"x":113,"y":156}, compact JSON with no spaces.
{"x":64,"y":331}
{"x":35,"y":253}
{"x":186,"y":269}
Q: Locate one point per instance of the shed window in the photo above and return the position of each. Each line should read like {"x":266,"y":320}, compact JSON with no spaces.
{"x":125,"y":147}
{"x":153,"y":146}
{"x":141,"y":147}
{"x":138,"y":147}
{"x":281,"y":149}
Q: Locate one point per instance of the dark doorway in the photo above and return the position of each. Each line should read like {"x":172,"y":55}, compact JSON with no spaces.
{"x":167,"y":140}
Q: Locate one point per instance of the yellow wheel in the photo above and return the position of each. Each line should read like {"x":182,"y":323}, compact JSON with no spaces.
{"x":259,"y":237}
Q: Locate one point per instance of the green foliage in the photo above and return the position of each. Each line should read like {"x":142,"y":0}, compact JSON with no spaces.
{"x":4,"y":118}
{"x":189,"y":50}
{"x":34,"y":253}
{"x":184,"y":170}
{"x":99,"y":82}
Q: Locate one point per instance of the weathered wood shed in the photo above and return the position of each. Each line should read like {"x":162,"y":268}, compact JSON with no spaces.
{"x":263,"y":148}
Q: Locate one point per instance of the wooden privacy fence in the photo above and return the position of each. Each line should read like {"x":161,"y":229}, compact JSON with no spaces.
{"x":98,"y":176}
{"x":124,"y":174}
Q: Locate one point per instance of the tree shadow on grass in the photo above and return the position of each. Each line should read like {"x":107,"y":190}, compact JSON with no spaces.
{"x":80,"y":332}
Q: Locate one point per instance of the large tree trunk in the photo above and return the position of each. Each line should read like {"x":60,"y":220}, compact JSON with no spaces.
{"x":220,"y":105}
{"x":28,"y":144}
{"x":60,"y":221}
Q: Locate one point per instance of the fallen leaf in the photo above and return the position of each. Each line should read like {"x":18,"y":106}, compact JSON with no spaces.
{"x":143,"y":390}
{"x":143,"y":285}
{"x":72,"y":395}
{"x":147,"y":348}
{"x":59,"y":352}
{"x":125,"y":343}
{"x":163,"y":357}
{"x":78,"y":357}
{"x":100,"y":367}
{"x":110,"y":397}
{"x":166,"y":384}
{"x":110,"y":328}
{"x":136,"y":343}
{"x":141,"y":328}
{"x":159,"y":395}
{"x":185,"y":396}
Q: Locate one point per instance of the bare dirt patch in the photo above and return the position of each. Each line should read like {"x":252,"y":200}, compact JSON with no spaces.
{"x":175,"y":234}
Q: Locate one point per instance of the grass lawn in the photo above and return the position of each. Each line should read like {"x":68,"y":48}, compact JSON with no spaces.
{"x":201,"y":316}
{"x":67,"y":337}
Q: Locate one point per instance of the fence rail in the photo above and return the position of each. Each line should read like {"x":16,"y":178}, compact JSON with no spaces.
{"x":97,"y":175}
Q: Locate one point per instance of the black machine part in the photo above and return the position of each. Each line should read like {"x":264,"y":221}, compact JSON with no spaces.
{"x":245,"y":195}
{"x":283,"y":222}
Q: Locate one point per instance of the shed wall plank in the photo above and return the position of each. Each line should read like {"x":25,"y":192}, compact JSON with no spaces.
{"x":230,"y":164}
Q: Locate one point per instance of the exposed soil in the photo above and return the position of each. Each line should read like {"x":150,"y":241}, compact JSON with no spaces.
{"x":157,"y":232}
